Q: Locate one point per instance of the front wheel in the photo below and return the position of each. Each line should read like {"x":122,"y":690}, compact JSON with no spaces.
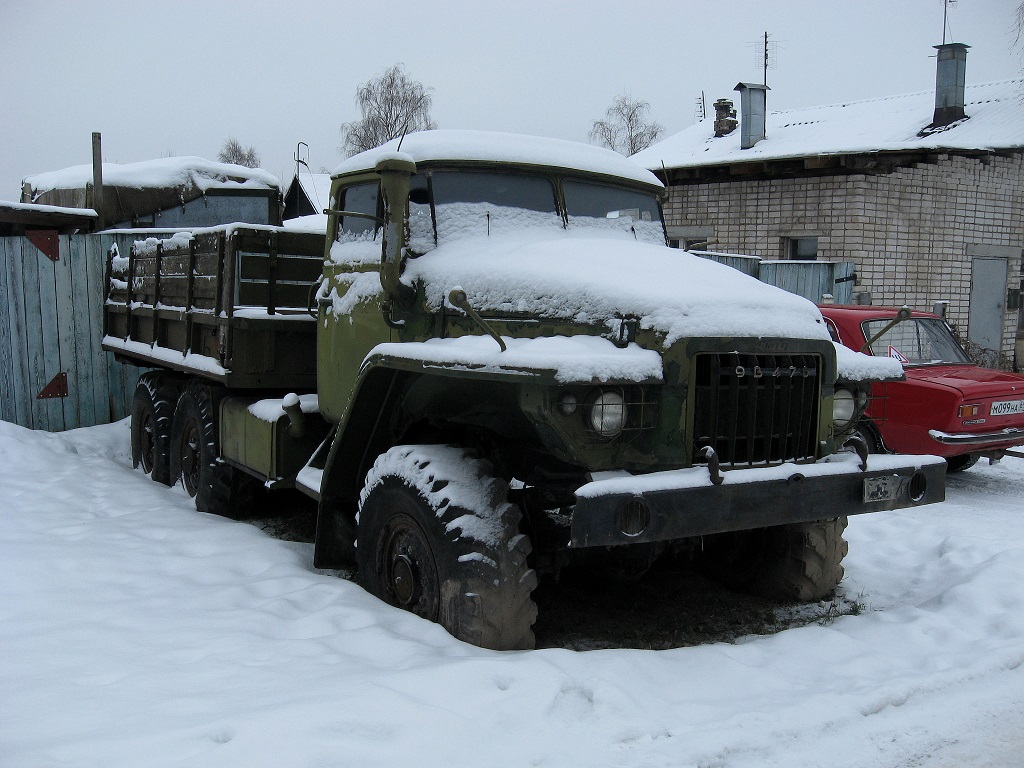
{"x":799,"y":561}
{"x":437,"y":537}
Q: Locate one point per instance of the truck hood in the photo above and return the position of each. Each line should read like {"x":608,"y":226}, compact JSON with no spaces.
{"x":972,"y":381}
{"x":580,"y":277}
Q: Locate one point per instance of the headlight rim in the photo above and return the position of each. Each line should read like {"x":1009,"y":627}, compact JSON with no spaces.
{"x":599,"y":408}
{"x":849,"y":399}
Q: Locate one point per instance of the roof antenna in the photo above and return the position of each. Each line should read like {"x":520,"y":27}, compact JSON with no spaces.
{"x":405,"y":130}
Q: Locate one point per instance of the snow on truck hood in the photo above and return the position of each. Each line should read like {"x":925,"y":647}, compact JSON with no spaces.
{"x":592,"y":280}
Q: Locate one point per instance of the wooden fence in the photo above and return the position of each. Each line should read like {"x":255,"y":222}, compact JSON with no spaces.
{"x":54,"y":374}
{"x":810,"y":279}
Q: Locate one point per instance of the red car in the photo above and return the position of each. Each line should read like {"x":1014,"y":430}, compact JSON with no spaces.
{"x":948,"y":406}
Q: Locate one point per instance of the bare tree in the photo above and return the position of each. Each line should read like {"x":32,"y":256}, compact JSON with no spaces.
{"x":626,"y":128}
{"x":392,"y":104}
{"x":234,"y":152}
{"x":1019,"y":23}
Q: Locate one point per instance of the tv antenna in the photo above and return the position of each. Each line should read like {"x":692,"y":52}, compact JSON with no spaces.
{"x":700,"y":110}
{"x":946,"y":5}
{"x":766,"y":56}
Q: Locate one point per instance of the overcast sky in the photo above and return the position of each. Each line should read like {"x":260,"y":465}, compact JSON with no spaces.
{"x":178,"y":77}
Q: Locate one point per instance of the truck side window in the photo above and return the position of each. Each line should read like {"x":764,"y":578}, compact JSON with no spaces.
{"x":359,"y":198}
{"x":421,"y":217}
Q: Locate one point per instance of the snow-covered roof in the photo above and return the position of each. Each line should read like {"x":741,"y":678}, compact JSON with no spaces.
{"x":163,"y":173}
{"x":995,"y":120}
{"x":317,"y":188}
{"x":485,"y":146}
{"x":6,"y":205}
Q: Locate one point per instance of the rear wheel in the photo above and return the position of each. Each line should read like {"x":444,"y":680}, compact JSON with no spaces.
{"x":218,"y":488}
{"x":437,"y":537}
{"x":799,"y":561}
{"x":151,"y":416}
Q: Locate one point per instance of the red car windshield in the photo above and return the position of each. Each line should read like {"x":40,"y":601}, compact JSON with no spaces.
{"x":918,"y":341}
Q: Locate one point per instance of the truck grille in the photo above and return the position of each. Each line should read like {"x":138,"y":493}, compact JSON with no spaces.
{"x":757,"y":409}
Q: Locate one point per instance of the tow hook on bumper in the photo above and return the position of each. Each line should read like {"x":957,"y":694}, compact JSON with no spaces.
{"x":661,"y":506}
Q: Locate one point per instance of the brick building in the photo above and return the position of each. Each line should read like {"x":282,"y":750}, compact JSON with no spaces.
{"x":924,"y":192}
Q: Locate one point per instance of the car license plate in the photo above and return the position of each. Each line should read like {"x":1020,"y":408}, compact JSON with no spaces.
{"x":1006,"y":407}
{"x":883,"y":488}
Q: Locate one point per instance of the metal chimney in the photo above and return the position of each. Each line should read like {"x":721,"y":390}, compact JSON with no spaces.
{"x":753,"y":108}
{"x":950,"y":75}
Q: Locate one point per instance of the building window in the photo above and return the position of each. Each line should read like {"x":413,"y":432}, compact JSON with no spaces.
{"x":696,"y":243}
{"x":801,"y":248}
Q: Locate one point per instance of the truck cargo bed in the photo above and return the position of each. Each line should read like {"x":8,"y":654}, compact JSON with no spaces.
{"x":230,"y":304}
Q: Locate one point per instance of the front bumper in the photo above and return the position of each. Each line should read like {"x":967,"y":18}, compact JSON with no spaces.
{"x":1006,"y":438}
{"x":662,"y":506}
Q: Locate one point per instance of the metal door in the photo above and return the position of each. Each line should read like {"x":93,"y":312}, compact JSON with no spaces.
{"x":987,"y":308}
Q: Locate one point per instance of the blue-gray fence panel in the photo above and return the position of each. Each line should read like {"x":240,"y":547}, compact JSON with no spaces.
{"x":749,"y":265}
{"x":811,"y":279}
{"x":51,"y":322}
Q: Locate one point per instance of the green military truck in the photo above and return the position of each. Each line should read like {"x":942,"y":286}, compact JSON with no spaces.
{"x":494,"y":365}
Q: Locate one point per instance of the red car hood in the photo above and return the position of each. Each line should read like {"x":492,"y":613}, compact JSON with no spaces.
{"x":972,"y":382}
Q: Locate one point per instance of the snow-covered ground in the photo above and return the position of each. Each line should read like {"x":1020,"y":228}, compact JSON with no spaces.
{"x":135,"y":631}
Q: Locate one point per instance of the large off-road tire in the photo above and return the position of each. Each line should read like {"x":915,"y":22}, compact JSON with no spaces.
{"x":799,"y":561}
{"x":870,"y":437}
{"x":218,"y":488}
{"x":151,"y":416}
{"x":960,"y":463}
{"x":437,"y":536}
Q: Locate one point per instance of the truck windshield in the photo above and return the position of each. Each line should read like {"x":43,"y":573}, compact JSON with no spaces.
{"x":603,"y":206}
{"x":918,"y":341}
{"x":473,"y":204}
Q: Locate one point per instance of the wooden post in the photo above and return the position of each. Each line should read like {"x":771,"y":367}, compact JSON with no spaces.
{"x":97,"y":180}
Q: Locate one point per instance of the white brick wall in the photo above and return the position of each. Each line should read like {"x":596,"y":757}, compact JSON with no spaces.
{"x":907,"y":231}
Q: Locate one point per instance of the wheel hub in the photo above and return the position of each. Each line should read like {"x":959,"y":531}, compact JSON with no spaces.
{"x":404,"y":582}
{"x":407,"y":568}
{"x":147,"y":440}
{"x":190,"y":454}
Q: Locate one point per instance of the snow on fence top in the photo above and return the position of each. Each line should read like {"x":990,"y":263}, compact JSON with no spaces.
{"x":167,"y":172}
{"x":488,"y":146}
{"x":995,"y":120}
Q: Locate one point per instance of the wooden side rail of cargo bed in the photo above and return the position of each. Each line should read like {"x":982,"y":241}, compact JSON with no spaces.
{"x":230,"y":303}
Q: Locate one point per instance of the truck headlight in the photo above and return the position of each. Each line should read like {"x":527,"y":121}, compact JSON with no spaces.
{"x":608,"y":413}
{"x":844,"y":408}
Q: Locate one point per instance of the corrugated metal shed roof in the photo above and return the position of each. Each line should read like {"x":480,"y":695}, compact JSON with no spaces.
{"x":891,"y":124}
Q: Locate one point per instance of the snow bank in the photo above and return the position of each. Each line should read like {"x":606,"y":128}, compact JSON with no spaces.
{"x":136,"y":631}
